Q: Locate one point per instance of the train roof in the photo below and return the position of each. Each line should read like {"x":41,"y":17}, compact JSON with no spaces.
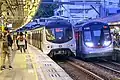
{"x":109,"y":19}
{"x":90,"y":22}
{"x":79,"y":27}
{"x":59,"y":23}
{"x":94,"y":22}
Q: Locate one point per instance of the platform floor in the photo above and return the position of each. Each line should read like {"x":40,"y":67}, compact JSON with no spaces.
{"x":33,"y":65}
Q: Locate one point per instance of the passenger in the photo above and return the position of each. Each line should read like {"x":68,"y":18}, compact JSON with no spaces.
{"x":21,"y":42}
{"x":6,"y":48}
{"x":115,"y":42}
{"x":26,"y":40}
{"x":10,"y":40}
{"x":17,"y":40}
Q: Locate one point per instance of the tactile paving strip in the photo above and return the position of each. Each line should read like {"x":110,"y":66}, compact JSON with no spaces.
{"x":46,"y":68}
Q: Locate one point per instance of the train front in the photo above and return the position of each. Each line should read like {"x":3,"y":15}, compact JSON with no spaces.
{"x":97,"y":40}
{"x":59,"y":38}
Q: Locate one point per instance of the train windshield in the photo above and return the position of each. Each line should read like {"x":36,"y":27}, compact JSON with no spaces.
{"x":87,"y":36}
{"x":97,"y":36}
{"x":59,"y":35}
{"x":107,"y":35}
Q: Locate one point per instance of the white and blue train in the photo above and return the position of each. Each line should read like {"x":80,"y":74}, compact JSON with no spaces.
{"x":93,"y":39}
{"x":55,"y":37}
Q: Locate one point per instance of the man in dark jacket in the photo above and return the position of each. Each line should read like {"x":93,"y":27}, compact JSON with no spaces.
{"x":6,"y":48}
{"x":10,"y":41}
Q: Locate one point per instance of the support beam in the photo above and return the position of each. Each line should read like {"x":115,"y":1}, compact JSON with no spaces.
{"x":72,"y":3}
{"x":95,"y":10}
{"x":9,"y":7}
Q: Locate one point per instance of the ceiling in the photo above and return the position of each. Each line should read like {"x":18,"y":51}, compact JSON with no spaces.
{"x":17,"y":12}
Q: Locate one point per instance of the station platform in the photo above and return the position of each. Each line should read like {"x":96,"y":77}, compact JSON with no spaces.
{"x":33,"y":65}
{"x":116,"y":54}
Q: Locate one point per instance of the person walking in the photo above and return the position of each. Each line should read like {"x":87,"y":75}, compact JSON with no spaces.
{"x":21,"y":42}
{"x":6,"y":48}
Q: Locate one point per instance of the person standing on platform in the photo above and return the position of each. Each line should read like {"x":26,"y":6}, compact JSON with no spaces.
{"x":26,"y":40}
{"x":6,"y":48}
{"x":17,"y":40}
{"x":10,"y":40}
{"x":21,"y":42}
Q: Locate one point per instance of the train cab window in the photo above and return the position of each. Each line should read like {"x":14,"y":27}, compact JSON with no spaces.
{"x":50,"y":34}
{"x":97,"y":33}
{"x":59,"y":35}
{"x":87,"y":36}
{"x":106,"y":35}
{"x":68,"y":32}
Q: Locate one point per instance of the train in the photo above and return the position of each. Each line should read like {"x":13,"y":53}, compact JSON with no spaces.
{"x":93,"y":40}
{"x":54,"y":38}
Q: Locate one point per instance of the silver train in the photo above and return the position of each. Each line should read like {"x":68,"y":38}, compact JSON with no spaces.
{"x":93,"y":39}
{"x":53,"y":38}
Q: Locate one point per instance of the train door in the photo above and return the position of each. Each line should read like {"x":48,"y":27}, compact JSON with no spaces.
{"x":28,"y":38}
{"x":41,"y":38}
{"x":80,"y":41}
{"x":77,"y":39}
{"x":37,"y":39}
{"x":33,"y":38}
{"x":78,"y":36}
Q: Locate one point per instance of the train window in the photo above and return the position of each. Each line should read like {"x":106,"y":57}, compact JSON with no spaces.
{"x":87,"y":36}
{"x":97,"y":33}
{"x":41,"y":36}
{"x":50,"y":34}
{"x":59,"y":35}
{"x":68,"y":32}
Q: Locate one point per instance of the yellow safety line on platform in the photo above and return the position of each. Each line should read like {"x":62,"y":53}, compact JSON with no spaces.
{"x":34,"y":67}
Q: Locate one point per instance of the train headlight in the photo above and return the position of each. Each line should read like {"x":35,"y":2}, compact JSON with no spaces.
{"x":70,"y":45}
{"x":49,"y":46}
{"x":89,"y":44}
{"x":106,"y":43}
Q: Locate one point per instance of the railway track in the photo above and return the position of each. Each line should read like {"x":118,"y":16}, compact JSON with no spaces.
{"x":113,"y":67}
{"x":103,"y":73}
{"x":92,"y":70}
{"x":90,"y":74}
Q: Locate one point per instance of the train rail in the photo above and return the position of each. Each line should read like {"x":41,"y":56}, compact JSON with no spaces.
{"x":92,"y":67}
{"x":118,"y":64}
{"x":110,"y":66}
{"x":89,"y":73}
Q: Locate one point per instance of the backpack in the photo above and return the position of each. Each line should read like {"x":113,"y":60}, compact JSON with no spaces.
{"x":21,"y":38}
